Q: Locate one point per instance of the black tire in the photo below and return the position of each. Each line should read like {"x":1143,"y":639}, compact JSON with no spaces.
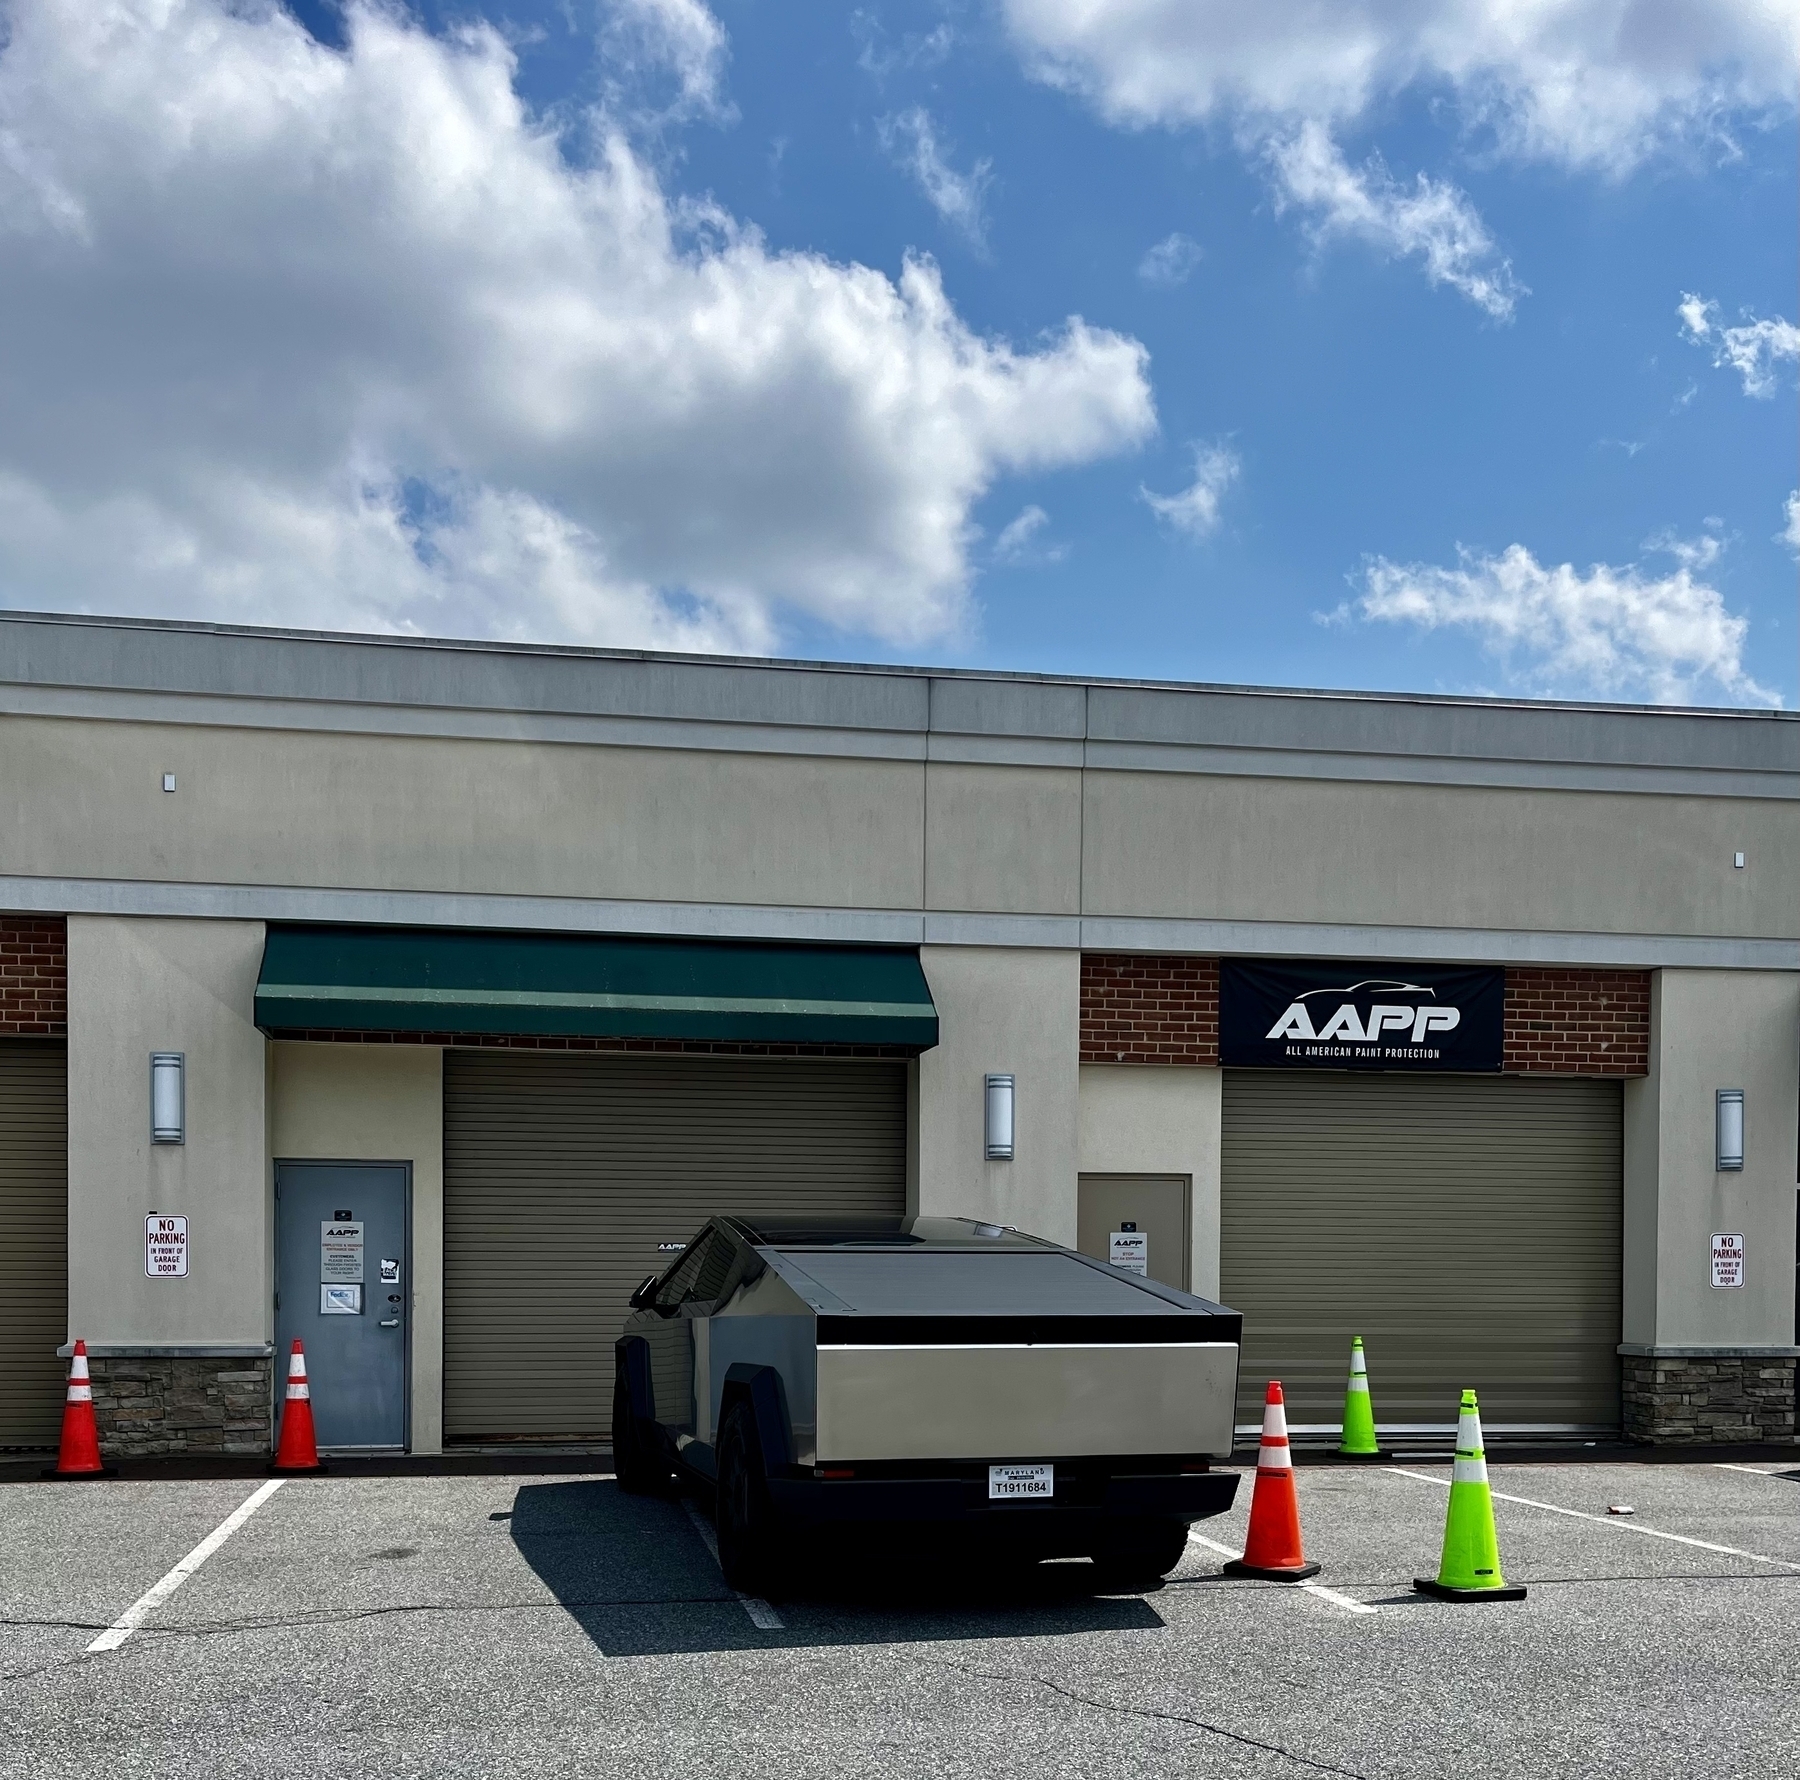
{"x":749,"y":1550}
{"x":1140,"y":1553}
{"x":635,"y":1462}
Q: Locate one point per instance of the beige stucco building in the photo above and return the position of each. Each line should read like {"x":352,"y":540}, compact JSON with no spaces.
{"x":516,"y":963}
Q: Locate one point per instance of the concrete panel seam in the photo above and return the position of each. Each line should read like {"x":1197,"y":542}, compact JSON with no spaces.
{"x":894,"y":927}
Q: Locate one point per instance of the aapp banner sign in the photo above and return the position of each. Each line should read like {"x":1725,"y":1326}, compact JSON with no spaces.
{"x":1333,"y":1015}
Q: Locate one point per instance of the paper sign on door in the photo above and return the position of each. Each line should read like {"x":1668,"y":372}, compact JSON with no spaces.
{"x":341,"y":1252}
{"x":1129,"y":1249}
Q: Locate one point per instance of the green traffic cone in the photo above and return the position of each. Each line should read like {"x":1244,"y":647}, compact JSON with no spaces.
{"x":1470,"y":1567}
{"x":1358,"y":1440}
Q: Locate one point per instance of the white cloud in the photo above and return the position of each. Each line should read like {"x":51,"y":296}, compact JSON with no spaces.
{"x":1790,"y":533}
{"x":342,"y":338}
{"x":1753,"y":349}
{"x":1429,"y":221}
{"x":1170,"y":262}
{"x":1017,"y":542}
{"x":1611,"y":632}
{"x":1599,"y":83}
{"x":959,"y":198}
{"x":916,"y":49}
{"x":673,"y":38}
{"x":1195,"y":510}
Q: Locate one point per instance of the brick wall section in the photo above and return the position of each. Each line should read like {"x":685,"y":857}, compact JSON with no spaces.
{"x":1577,"y":1022}
{"x":1149,"y":1009}
{"x":34,"y":976}
{"x":1165,"y":1009}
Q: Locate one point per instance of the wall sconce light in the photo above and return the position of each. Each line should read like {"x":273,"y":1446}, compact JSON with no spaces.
{"x":998,"y":1093}
{"x":1728,"y":1128}
{"x":168,"y":1097}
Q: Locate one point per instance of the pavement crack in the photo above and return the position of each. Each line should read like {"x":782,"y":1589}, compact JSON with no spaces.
{"x":325,"y":1616}
{"x":60,"y":1662}
{"x":1153,"y":1713}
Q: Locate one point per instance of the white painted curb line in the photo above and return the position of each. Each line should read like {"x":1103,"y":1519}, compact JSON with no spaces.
{"x":1623,"y":1526}
{"x":147,"y":1603}
{"x":1349,"y":1603}
{"x":762,"y":1615}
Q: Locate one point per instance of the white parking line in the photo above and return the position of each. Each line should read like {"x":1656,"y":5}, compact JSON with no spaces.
{"x":1623,"y":1526}
{"x":1349,"y":1603}
{"x":761,"y":1613}
{"x":147,"y":1603}
{"x":1752,"y":1471}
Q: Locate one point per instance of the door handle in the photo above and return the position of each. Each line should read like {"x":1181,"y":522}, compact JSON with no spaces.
{"x":390,"y":1322}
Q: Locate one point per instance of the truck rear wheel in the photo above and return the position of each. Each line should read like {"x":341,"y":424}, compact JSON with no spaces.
{"x":748,"y":1547}
{"x":1140,"y":1553}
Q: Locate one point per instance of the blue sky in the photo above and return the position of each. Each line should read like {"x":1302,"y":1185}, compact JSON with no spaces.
{"x":1333,"y":462}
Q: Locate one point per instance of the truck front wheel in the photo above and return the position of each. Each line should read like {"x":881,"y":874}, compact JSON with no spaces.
{"x":635,"y":1462}
{"x":748,"y":1548}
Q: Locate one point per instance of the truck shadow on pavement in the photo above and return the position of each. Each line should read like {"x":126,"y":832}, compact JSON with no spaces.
{"x":635,"y":1575}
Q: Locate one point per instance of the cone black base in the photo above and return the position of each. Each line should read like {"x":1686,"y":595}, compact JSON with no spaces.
{"x":1292,"y":1573}
{"x":1381,"y":1454}
{"x":81,"y":1476}
{"x":298,"y":1470}
{"x":1429,"y":1585}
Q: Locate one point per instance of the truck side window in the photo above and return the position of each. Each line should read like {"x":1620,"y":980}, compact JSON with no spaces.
{"x":715,"y":1268}
{"x":678,"y":1287}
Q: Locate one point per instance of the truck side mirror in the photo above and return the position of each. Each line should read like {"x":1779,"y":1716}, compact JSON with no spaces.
{"x":645,"y":1292}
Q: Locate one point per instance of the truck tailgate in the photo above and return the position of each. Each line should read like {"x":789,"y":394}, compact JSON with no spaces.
{"x":1038,"y":1401}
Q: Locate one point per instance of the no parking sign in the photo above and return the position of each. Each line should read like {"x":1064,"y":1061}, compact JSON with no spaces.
{"x":165,"y":1247}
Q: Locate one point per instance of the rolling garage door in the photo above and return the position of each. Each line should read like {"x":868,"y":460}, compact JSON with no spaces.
{"x":1468,"y":1228}
{"x":34,"y":1211}
{"x":562,"y":1174}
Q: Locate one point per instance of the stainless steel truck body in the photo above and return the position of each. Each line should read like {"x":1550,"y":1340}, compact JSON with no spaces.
{"x":935,"y":1371}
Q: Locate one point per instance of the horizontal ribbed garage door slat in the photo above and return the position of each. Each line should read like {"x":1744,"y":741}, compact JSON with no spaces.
{"x":34,"y":1212}
{"x":562,"y":1173}
{"x":1468,"y":1228}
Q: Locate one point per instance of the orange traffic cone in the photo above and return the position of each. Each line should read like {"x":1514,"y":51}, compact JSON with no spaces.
{"x":79,"y":1453}
{"x":297,"y":1449}
{"x":1273,"y":1549}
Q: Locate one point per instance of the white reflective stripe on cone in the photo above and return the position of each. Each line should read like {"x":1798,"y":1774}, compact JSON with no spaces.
{"x":1471,"y":1460}
{"x":80,"y":1393}
{"x":297,"y":1388}
{"x":80,"y":1368}
{"x":1359,"y":1381}
{"x":1273,"y":1455}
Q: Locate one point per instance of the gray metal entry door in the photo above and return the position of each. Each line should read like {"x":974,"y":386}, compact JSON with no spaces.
{"x":1154,"y":1206}
{"x":343,"y":1282}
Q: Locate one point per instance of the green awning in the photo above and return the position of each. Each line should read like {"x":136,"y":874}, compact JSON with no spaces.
{"x":437,"y":980}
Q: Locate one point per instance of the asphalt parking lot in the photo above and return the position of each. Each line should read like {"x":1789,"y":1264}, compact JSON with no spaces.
{"x":551,"y":1625}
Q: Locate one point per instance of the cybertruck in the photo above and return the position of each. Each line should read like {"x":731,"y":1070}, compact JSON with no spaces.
{"x":931,"y":1374}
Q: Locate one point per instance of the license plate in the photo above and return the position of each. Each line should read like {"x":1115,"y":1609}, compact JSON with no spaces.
{"x":1011,"y":1483}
